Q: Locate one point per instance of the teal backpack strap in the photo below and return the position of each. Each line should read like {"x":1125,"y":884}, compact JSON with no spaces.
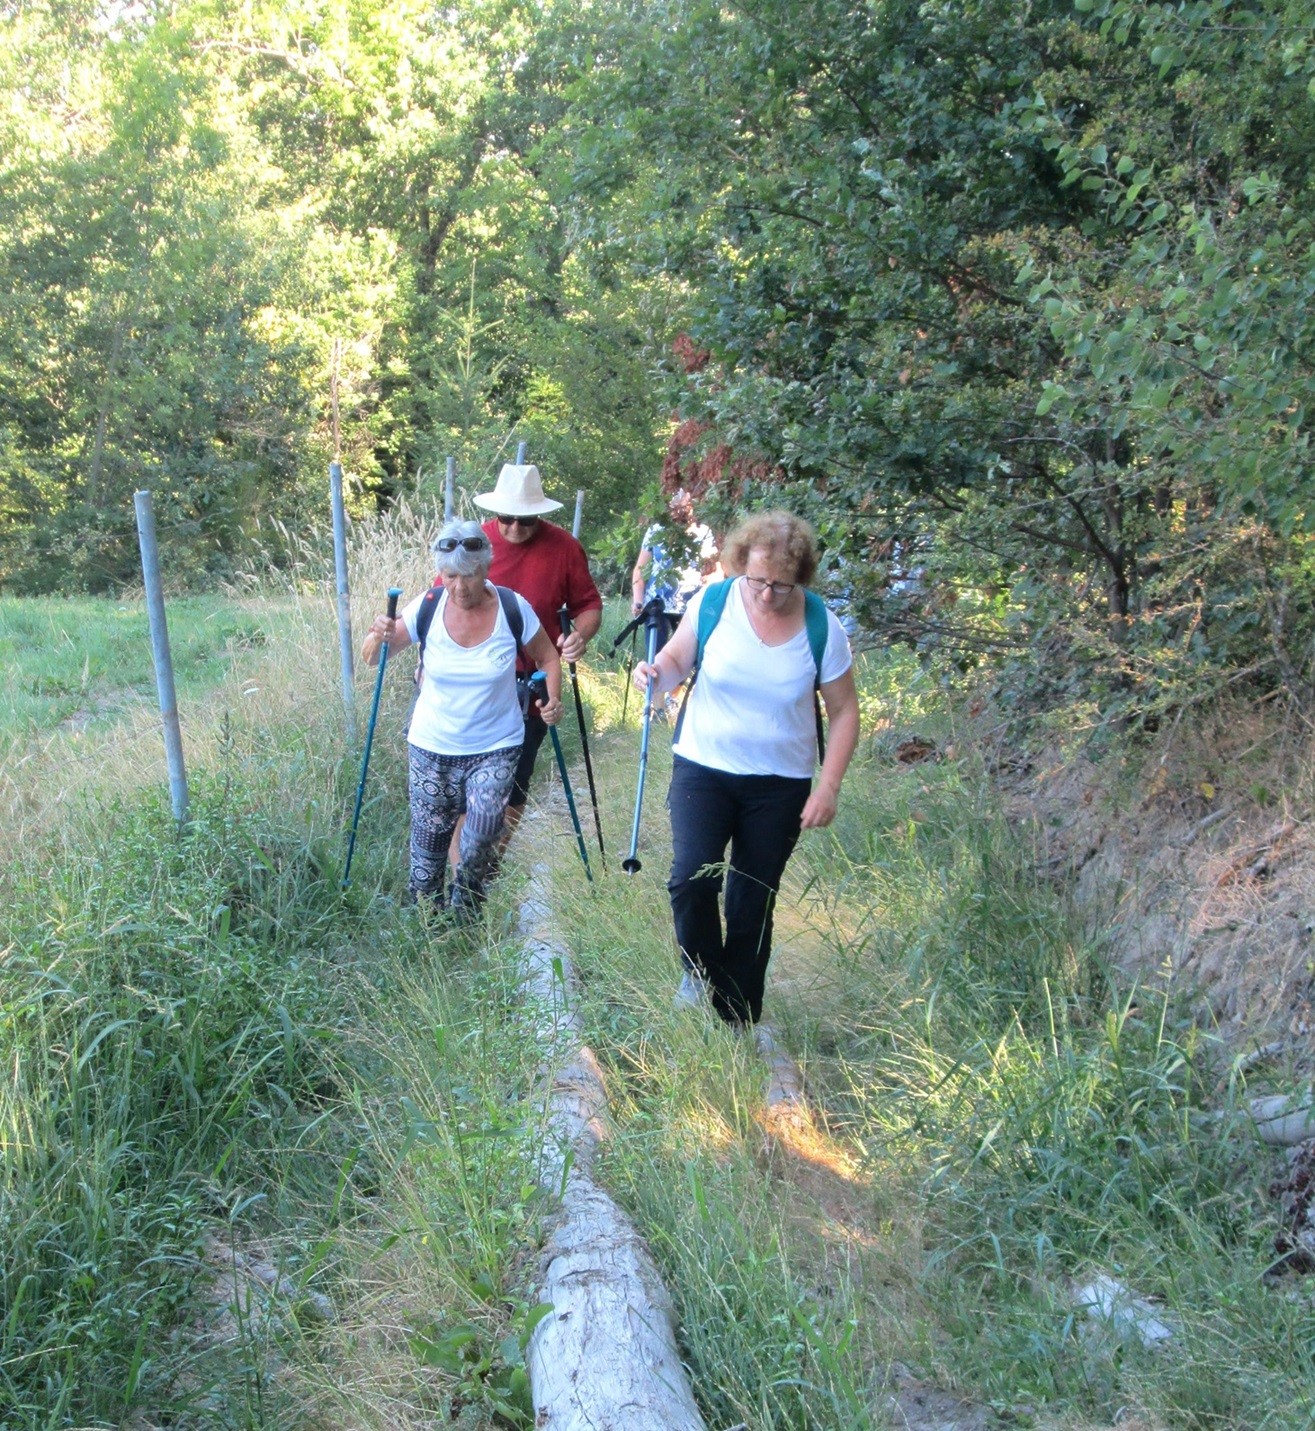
{"x":815,"y":623}
{"x":710,"y":610}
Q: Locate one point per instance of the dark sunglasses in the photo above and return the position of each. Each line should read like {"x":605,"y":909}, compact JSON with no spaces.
{"x":470,"y":544}
{"x":519,"y":521}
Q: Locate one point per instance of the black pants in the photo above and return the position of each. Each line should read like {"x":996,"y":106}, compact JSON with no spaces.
{"x":535,"y":730}
{"x":758,"y":817}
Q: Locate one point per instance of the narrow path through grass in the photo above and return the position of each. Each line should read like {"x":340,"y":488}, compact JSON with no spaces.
{"x":211,"y":1049}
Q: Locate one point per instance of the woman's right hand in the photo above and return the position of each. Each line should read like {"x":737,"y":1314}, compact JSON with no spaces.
{"x":641,"y":674}
{"x":383,"y":627}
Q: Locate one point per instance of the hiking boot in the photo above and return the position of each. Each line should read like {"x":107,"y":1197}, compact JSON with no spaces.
{"x":692,"y":991}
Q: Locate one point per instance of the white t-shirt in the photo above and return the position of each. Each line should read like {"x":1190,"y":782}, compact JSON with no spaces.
{"x":751,"y":709}
{"x":467,"y":703}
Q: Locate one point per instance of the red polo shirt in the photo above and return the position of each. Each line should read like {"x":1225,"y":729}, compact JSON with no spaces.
{"x":550,"y":571}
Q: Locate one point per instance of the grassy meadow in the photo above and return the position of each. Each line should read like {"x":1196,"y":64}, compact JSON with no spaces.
{"x":268,"y":1147}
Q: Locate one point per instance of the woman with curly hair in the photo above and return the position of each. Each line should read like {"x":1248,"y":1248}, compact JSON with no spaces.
{"x":745,"y":750}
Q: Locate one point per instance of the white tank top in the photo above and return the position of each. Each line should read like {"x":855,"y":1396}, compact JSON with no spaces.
{"x":467,"y":703}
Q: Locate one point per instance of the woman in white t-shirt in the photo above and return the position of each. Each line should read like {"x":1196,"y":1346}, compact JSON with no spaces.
{"x":744,"y":756}
{"x":467,"y":727}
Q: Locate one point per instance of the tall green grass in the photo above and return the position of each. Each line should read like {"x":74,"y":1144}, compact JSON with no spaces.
{"x":78,"y":662}
{"x":210,"y":1047}
{"x":1001,"y":1115}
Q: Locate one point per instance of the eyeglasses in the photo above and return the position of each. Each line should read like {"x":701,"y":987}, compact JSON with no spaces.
{"x":519,"y":521}
{"x":777,"y":588}
{"x":470,"y":544}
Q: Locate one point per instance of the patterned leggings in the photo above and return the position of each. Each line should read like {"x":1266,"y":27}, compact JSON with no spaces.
{"x":444,"y":787}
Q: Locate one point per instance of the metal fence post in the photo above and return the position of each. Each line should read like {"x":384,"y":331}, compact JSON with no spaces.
{"x":450,"y":490}
{"x":164,"y":671}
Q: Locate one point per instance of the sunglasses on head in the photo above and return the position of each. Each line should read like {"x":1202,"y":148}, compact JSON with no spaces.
{"x":470,"y":544}
{"x":518,"y":521}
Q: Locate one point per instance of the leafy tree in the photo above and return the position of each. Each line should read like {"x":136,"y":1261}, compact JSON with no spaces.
{"x":958,"y":267}
{"x":137,"y":273}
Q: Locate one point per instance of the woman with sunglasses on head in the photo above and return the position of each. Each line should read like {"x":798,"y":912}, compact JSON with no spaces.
{"x":467,"y":728}
{"x":745,"y":750}
{"x":546,"y":564}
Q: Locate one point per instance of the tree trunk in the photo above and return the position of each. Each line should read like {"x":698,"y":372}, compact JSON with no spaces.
{"x":605,"y":1359}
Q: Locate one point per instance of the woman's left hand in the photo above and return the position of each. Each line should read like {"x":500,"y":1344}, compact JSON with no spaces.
{"x":550,"y":710}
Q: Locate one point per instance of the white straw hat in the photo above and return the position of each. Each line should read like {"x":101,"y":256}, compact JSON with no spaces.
{"x":519,"y":493}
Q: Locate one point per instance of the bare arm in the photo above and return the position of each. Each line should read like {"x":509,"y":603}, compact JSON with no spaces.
{"x":637,"y":580}
{"x":583,"y":630}
{"x":674,"y":661}
{"x":384,"y":629}
{"x":841,"y":701}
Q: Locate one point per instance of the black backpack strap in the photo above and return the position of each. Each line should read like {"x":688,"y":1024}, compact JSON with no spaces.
{"x":424,"y":620}
{"x":425,"y":617}
{"x":511,"y":609}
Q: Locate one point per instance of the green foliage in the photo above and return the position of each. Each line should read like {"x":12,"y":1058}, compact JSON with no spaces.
{"x":212,"y":221}
{"x":1015,"y":301}
{"x":495,"y":1377}
{"x":1014,"y":296}
{"x":137,"y":269}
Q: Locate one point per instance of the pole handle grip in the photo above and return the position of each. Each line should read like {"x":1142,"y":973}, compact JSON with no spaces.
{"x":393,"y":593}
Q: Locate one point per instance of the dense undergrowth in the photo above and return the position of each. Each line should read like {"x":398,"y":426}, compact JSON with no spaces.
{"x":210,"y":1049}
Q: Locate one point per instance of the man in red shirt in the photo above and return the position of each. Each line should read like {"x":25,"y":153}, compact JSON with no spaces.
{"x":546,"y":564}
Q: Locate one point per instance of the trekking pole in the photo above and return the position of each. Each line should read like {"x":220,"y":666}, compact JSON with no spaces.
{"x":393,"y":593}
{"x":631,"y":629}
{"x":564,"y":619}
{"x":651,"y":616}
{"x":538,"y":686}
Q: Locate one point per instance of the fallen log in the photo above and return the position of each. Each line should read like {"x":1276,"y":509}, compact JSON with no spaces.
{"x":1105,"y":1299}
{"x":605,"y":1358}
{"x":785,"y":1083}
{"x":1282,"y":1119}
